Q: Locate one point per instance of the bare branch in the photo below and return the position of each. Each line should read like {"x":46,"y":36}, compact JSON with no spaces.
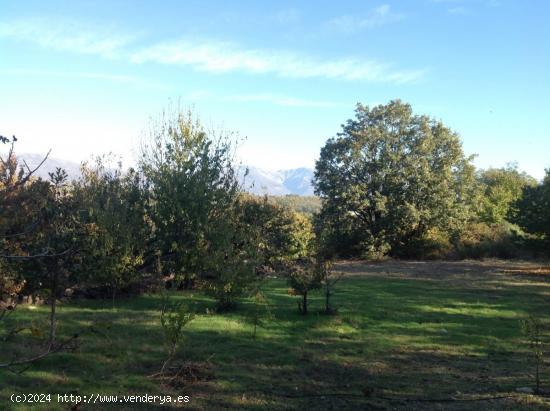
{"x":42,"y":255}
{"x":49,"y":351}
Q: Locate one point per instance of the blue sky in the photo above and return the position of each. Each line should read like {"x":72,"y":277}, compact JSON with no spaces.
{"x":85,"y":77}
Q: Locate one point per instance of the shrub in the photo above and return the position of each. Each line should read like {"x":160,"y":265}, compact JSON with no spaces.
{"x":173,"y":318}
{"x":304,"y":276}
{"x":482,"y":240}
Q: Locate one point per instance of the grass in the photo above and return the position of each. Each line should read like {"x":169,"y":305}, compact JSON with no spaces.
{"x":404,"y":332}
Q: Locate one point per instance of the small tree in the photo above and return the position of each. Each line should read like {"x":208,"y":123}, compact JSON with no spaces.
{"x":283,"y":234}
{"x":304,"y":276}
{"x":329,"y":280}
{"x":532,"y":329}
{"x":173,"y":319}
{"x":22,"y":199}
{"x":260,"y":311}
{"x":38,"y":238}
{"x":59,"y":237}
{"x":230,"y":256}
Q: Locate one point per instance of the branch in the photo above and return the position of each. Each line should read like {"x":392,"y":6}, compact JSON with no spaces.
{"x":49,"y":351}
{"x":43,"y":255}
{"x":29,"y":173}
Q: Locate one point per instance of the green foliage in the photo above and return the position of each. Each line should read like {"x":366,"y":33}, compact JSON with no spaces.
{"x":389,"y":177}
{"x":282,"y":234}
{"x":308,"y":205}
{"x":483,"y":240}
{"x":231,"y":256}
{"x":113,"y":207}
{"x":194,"y":208}
{"x":22,"y":201}
{"x":174,"y":317}
{"x":39,"y":235}
{"x":304,"y":275}
{"x":502,"y":187}
{"x":261,"y":312}
{"x":329,"y":280}
{"x":532,"y":211}
{"x":379,"y":315}
{"x":190,"y":176}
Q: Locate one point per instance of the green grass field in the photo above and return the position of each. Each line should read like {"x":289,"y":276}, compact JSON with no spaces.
{"x":407,"y":336}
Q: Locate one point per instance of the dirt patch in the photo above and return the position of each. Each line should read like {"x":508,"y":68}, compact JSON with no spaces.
{"x":473,"y":272}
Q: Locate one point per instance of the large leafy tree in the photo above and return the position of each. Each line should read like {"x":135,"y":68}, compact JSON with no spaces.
{"x":501,"y":188}
{"x":390,"y":176}
{"x":532,"y":211}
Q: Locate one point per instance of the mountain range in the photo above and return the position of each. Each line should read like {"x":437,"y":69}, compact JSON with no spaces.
{"x":257,"y":181}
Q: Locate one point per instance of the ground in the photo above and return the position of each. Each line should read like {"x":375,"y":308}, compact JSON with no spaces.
{"x":407,"y":335}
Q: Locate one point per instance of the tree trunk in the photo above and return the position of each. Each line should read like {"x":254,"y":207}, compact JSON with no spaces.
{"x":327,"y":299}
{"x":53,"y":319}
{"x":304,"y":303}
{"x":113,"y":295}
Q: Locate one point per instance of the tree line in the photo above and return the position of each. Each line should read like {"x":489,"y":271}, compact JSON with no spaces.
{"x":391,"y":183}
{"x":397,"y":184}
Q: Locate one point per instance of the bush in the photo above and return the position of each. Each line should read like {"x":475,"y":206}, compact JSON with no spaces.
{"x":304,"y":276}
{"x":435,"y":245}
{"x":482,"y":240}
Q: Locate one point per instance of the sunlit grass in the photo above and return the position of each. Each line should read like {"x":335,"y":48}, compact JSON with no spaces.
{"x":397,"y":336}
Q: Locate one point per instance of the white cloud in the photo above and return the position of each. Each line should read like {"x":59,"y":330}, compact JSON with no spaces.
{"x":218,"y":57}
{"x":67,"y":35}
{"x":115,"y":78}
{"x":375,"y":18}
{"x":206,"y":56}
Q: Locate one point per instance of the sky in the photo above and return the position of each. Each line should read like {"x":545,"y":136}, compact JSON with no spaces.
{"x":90,"y":77}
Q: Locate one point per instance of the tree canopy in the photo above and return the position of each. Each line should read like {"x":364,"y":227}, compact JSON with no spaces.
{"x":390,"y":176}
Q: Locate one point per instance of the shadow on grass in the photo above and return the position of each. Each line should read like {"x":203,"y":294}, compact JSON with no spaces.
{"x":395,"y":336}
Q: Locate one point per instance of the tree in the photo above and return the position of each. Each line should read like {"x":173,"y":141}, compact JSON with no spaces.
{"x":282,"y":234}
{"x":194,"y":208}
{"x":501,"y":188}
{"x":329,"y":280}
{"x":38,"y":232}
{"x":532,"y":328}
{"x":532,"y":211}
{"x":389,"y":177}
{"x":228,"y":270}
{"x":57,"y":240}
{"x":174,"y":317}
{"x":22,"y":198}
{"x":189,"y":173}
{"x":114,"y":206}
{"x":304,"y":276}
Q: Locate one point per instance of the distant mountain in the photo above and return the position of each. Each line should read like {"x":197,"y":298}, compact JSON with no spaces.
{"x":280,"y":182}
{"x":71,"y":167}
{"x":258,"y":181}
